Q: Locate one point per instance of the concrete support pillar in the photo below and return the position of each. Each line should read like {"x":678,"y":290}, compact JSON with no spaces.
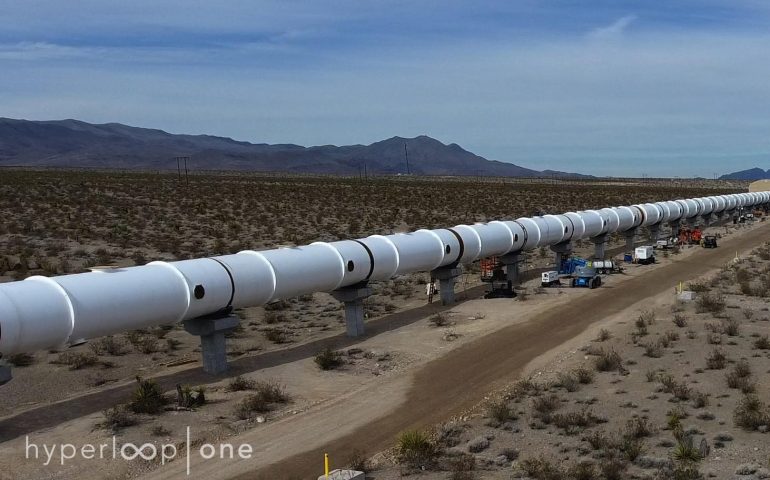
{"x":675,"y":225}
{"x":630,"y":236}
{"x":706,"y":220}
{"x":212,"y":330}
{"x":561,"y":250}
{"x":511,"y":262}
{"x":446,"y":282}
{"x":353,"y":297}
{"x":654,"y":233}
{"x":5,"y":373}
{"x":600,"y":244}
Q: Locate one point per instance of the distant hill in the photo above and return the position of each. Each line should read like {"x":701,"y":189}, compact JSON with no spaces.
{"x":750,"y":174}
{"x":72,"y":143}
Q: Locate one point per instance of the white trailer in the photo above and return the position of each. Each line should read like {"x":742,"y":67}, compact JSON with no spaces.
{"x":644,"y":255}
{"x":549,"y":279}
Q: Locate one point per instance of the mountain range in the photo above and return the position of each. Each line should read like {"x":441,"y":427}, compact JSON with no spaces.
{"x":750,"y":174}
{"x":73,"y":143}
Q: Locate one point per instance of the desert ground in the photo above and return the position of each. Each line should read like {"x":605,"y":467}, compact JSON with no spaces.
{"x":419,"y":365}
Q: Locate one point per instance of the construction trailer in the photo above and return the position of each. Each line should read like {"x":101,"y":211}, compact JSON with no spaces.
{"x":644,"y":255}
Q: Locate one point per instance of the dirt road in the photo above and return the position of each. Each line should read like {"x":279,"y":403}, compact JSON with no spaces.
{"x":462,"y":377}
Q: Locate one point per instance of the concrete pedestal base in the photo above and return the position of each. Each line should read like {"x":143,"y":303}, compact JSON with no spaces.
{"x":654,"y":233}
{"x":5,"y":374}
{"x":353,"y":297}
{"x":446,"y":282}
{"x":512,"y":262}
{"x":600,"y":244}
{"x":212,"y":330}
{"x":630,"y":236}
{"x":561,"y":250}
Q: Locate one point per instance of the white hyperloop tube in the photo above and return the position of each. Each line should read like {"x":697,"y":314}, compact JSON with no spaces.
{"x":41,"y":312}
{"x":419,"y":251}
{"x":496,"y":238}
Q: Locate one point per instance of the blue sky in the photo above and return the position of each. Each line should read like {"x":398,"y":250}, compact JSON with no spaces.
{"x":605,"y":87}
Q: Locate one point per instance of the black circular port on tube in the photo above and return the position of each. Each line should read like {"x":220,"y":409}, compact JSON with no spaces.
{"x":199,"y":292}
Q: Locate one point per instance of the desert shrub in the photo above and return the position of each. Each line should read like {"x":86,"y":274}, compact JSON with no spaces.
{"x":638,"y":427}
{"x":240,"y":383}
{"x":328,"y":359}
{"x":543,"y":407}
{"x":250,"y":405}
{"x":147,"y":397}
{"x":653,"y":349}
{"x":271,"y":391}
{"x":698,"y":287}
{"x":762,"y":343}
{"x":740,"y":376}
{"x":439,"y":320}
{"x":415,"y":449}
{"x":731,"y":327}
{"x":711,"y":303}
{"x":714,"y":339}
{"x":267,"y":394}
{"x":684,"y":471}
{"x":680,"y":320}
{"x":160,"y":431}
{"x":699,"y":399}
{"x":685,"y":450}
{"x":583,"y":470}
{"x":276,"y":335}
{"x":273,"y":316}
{"x":358,"y":461}
{"x":612,"y":468}
{"x":609,"y":360}
{"x":603,"y":335}
{"x":462,"y":467}
{"x":647,"y":317}
{"x":77,"y":360}
{"x":716,"y":360}
{"x":118,"y":417}
{"x":583,"y":375}
{"x":574,"y":422}
{"x":541,"y":469}
{"x":109,"y":345}
{"x":21,"y":359}
{"x":568,"y":382}
{"x":751,"y":413}
{"x":500,"y":411}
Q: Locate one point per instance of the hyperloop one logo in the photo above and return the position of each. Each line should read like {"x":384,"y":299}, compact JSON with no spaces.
{"x":68,"y":453}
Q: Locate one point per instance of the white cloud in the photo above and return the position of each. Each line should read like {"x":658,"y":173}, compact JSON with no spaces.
{"x":613,"y":30}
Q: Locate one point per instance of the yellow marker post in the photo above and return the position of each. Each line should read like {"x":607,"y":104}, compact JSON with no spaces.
{"x":326,"y":464}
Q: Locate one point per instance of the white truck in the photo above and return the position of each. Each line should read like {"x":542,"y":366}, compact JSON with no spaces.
{"x":549,"y":279}
{"x":644,"y":255}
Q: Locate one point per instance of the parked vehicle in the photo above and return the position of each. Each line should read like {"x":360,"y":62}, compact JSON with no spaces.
{"x":644,"y":255}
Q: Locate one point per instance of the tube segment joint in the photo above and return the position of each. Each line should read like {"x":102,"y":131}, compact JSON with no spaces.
{"x":353,"y":297}
{"x":212,"y":330}
{"x":446,"y":277}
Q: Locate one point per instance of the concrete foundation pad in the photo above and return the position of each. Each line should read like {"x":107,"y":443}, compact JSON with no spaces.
{"x":686,"y":296}
{"x":343,"y":475}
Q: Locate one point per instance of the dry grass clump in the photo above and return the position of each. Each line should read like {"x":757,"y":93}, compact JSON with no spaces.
{"x":328,"y":359}
{"x":608,"y":361}
{"x":268,"y":394}
{"x":740,"y":377}
{"x":415,"y":449}
{"x":751,"y":413}
{"x":77,"y":360}
{"x":710,"y":303}
{"x":716,"y":360}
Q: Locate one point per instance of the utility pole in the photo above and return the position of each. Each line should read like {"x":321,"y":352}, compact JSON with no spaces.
{"x":406,"y":155}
